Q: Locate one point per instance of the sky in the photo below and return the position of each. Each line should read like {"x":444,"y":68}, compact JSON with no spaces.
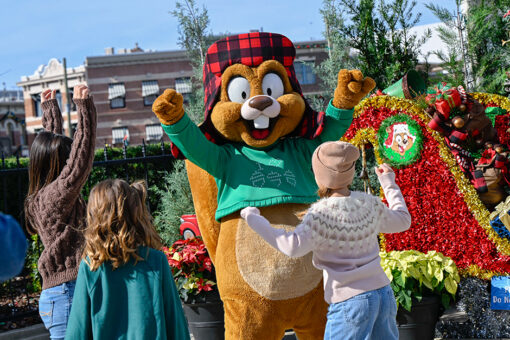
{"x":34,"y":31}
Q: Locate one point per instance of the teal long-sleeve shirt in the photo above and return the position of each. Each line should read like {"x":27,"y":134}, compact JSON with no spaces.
{"x":258,"y":177}
{"x":131,"y":302}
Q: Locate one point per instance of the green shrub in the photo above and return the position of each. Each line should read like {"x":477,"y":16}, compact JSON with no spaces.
{"x":175,"y":200}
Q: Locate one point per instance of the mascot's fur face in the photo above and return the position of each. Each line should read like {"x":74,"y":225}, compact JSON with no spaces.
{"x":402,"y":142}
{"x":399,"y":138}
{"x":257,"y":105}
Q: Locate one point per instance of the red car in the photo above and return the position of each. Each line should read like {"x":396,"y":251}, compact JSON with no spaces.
{"x":189,"y":226}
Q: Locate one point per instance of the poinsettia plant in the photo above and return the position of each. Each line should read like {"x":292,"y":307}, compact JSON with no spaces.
{"x":414,"y":274}
{"x":192,"y":269}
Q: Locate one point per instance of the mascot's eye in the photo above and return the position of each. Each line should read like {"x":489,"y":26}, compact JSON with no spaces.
{"x":238,"y":90}
{"x":399,"y":139}
{"x":272,"y":85}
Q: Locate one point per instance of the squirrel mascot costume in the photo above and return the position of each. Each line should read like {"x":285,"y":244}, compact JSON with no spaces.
{"x":254,"y":148}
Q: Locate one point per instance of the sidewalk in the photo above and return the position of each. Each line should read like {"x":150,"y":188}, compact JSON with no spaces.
{"x":38,"y":332}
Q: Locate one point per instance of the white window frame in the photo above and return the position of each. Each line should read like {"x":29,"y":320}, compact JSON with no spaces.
{"x":118,"y":134}
{"x":183,"y":85}
{"x":150,"y":91}
{"x":117,"y":95}
{"x":151,"y":134}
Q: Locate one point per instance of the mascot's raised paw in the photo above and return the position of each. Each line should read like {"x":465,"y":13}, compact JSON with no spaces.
{"x":351,"y":88}
{"x":168,"y":107}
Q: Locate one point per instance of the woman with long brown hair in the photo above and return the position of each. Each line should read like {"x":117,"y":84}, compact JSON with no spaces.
{"x":54,"y":208}
{"x":125,"y":288}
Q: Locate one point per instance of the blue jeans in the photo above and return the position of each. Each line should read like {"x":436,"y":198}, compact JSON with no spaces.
{"x":367,"y":316}
{"x":54,"y":308}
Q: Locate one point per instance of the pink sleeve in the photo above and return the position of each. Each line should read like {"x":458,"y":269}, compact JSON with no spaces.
{"x":295,"y":243}
{"x":396,"y":217}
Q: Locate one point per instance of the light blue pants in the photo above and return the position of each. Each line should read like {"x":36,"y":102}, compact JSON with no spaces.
{"x":54,"y":308}
{"x":368,"y":316}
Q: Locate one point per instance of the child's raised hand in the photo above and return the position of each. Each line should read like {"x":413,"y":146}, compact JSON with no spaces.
{"x":81,"y":92}
{"x":48,"y":94}
{"x":383,"y":169}
{"x":248,"y":211}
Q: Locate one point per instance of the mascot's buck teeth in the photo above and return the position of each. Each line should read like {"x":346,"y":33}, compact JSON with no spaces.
{"x":260,"y":117}
{"x":261,"y":122}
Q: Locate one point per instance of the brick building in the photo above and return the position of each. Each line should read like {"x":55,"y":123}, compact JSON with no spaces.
{"x":13,"y":136}
{"x":125,"y":84}
{"x":49,"y":76}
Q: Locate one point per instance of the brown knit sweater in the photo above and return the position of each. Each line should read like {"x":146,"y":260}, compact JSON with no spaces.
{"x":58,"y":208}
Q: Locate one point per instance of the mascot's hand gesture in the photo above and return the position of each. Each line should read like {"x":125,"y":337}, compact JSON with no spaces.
{"x":351,"y":88}
{"x":168,"y":107}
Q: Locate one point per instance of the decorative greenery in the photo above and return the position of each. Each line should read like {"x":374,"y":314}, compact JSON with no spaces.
{"x":192,"y":269}
{"x":381,"y":35}
{"x":394,"y":158}
{"x":33,"y":252}
{"x":486,"y":30}
{"x":175,"y":201}
{"x":452,"y":33}
{"x":414,"y":274}
{"x":338,"y":48}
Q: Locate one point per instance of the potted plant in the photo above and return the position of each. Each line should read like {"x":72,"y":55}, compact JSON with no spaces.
{"x":421,"y":284}
{"x":194,"y":277}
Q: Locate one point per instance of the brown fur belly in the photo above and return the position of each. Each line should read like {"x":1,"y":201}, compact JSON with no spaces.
{"x":267,"y":271}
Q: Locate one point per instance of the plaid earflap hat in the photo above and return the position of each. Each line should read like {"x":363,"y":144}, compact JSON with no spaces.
{"x":251,"y":49}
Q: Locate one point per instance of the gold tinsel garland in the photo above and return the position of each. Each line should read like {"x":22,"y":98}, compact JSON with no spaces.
{"x":481,"y":214}
{"x":488,"y":98}
{"x":476,"y":271}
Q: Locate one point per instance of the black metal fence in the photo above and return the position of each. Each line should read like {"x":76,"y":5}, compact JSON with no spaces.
{"x":19,"y":296}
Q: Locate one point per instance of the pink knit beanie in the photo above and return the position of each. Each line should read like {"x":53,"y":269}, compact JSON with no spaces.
{"x":333,"y":164}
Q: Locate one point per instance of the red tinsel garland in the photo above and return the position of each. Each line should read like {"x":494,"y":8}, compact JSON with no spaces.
{"x":441,"y":218}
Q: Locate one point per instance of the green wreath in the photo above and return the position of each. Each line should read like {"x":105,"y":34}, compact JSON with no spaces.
{"x":394,"y":148}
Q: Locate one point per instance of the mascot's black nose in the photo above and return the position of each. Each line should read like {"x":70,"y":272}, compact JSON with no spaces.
{"x":260,"y":102}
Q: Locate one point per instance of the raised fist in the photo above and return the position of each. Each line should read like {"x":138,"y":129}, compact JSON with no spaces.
{"x":81,"y":92}
{"x":168,"y":107}
{"x":351,"y":88}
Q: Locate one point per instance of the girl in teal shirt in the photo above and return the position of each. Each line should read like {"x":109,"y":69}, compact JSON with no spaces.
{"x":125,"y":288}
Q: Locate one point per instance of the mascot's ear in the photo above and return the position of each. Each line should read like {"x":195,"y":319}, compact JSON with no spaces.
{"x":388,"y":129}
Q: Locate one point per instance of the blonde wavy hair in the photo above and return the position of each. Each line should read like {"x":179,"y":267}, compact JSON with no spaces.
{"x":118,"y":222}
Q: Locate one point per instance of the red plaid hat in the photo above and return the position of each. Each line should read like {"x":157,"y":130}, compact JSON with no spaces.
{"x":251,"y":49}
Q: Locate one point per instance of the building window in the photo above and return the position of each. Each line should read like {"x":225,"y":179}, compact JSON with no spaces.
{"x":117,"y":95}
{"x":37,"y":104}
{"x":183,"y":85}
{"x":150,"y":91}
{"x":73,"y":105}
{"x":153,"y":132}
{"x":304,"y":72}
{"x":58,"y":97}
{"x":120,"y":135}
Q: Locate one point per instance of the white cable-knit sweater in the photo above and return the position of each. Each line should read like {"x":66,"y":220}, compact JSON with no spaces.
{"x":342,"y":233}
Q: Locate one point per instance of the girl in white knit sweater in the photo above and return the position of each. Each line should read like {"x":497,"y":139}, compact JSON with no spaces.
{"x":341,"y":230}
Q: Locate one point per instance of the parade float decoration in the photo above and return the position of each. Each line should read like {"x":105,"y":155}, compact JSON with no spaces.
{"x":441,"y":148}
